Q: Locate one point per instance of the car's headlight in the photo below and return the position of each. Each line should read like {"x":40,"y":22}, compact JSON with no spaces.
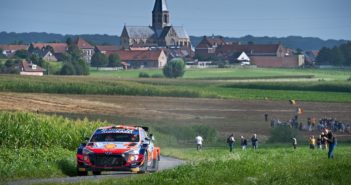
{"x":86,"y":151}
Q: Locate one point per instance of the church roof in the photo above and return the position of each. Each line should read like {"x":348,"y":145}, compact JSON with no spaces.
{"x":181,"y":33}
{"x":140,"y":32}
{"x":160,"y":6}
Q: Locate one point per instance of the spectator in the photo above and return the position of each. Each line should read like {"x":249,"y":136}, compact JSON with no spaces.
{"x":243,"y":142}
{"x":324,"y":141}
{"x":330,"y":138}
{"x":294,"y":142}
{"x":199,"y":141}
{"x":254,"y":141}
{"x":319,"y":142}
{"x":231,"y":141}
{"x":312,"y":142}
{"x":266,"y":117}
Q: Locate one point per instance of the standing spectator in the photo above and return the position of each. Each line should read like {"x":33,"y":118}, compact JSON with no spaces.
{"x":319,"y":142}
{"x":254,"y":141}
{"x":312,"y":142}
{"x":331,"y":140}
{"x":243,"y":142}
{"x":231,"y":141}
{"x":266,"y":117}
{"x":324,"y":141}
{"x":198,"y":140}
{"x":294,"y":142}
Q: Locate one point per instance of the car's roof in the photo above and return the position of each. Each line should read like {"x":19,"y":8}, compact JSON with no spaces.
{"x":119,"y":127}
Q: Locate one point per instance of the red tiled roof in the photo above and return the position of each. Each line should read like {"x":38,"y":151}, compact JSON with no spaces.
{"x":28,"y":67}
{"x":14,"y":47}
{"x":127,"y":55}
{"x":207,"y":42}
{"x":250,"y":49}
{"x":82,"y":44}
{"x":58,"y":47}
{"x":107,"y":47}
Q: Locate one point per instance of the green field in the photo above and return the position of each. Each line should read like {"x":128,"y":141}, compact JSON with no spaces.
{"x":214,"y":73}
{"x":241,"y":84}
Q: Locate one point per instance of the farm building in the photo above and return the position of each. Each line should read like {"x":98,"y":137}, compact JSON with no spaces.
{"x":10,"y":49}
{"x":142,"y":58}
{"x":29,"y":69}
{"x":261,"y":55}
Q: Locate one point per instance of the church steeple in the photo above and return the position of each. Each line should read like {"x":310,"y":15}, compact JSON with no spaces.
{"x":160,"y":15}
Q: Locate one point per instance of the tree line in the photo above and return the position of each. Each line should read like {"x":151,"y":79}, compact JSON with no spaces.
{"x":338,"y":56}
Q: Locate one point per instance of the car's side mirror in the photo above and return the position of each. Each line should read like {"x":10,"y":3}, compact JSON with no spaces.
{"x":152,"y":137}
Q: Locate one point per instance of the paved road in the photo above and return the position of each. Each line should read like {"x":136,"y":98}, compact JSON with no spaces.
{"x":165,"y":163}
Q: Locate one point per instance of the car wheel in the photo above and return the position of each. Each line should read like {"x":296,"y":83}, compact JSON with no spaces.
{"x":143,"y":168}
{"x":96,"y":172}
{"x":81,"y":173}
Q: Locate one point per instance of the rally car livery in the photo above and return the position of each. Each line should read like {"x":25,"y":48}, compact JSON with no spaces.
{"x":118,"y":148}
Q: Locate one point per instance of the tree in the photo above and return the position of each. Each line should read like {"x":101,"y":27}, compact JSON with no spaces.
{"x":24,"y":54}
{"x":81,"y":67}
{"x":175,"y":68}
{"x":114,"y":60}
{"x":11,"y":66}
{"x":68,"y":69}
{"x":99,"y":60}
{"x":2,"y":54}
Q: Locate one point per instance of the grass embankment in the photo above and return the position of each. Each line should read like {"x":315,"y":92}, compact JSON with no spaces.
{"x":338,"y":91}
{"x":281,"y":165}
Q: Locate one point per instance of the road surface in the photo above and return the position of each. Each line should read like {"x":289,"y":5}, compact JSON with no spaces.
{"x":165,"y":163}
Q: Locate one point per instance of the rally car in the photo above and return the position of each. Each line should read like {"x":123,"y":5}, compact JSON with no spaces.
{"x":118,"y":148}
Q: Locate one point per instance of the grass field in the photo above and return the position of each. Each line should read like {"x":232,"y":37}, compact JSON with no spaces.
{"x":268,"y":165}
{"x":327,"y":91}
{"x":325,"y":74}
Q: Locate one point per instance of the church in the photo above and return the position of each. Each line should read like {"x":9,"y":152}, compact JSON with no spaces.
{"x":160,"y":34}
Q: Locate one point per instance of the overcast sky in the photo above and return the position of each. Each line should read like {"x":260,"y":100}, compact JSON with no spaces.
{"x":327,"y":19}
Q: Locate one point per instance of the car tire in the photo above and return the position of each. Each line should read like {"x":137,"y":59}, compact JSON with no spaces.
{"x":143,"y":168}
{"x":96,"y":172}
{"x":80,"y":173}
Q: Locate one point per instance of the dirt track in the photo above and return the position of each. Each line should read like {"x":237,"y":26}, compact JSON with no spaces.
{"x":227,"y":116}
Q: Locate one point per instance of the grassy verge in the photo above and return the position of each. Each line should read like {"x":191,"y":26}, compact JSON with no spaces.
{"x":264,"y":166}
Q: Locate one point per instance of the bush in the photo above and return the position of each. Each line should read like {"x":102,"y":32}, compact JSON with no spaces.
{"x":68,"y":69}
{"x":282,"y":134}
{"x":144,"y":75}
{"x":349,"y":79}
{"x":157,"y":76}
{"x":175,"y":68}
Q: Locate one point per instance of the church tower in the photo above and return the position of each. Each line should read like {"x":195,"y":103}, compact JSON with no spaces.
{"x":160,"y":15}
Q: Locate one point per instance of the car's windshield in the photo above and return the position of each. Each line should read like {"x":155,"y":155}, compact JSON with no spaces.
{"x":115,"y":137}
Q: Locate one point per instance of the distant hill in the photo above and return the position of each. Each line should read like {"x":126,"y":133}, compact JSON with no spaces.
{"x":27,"y":38}
{"x":304,"y":43}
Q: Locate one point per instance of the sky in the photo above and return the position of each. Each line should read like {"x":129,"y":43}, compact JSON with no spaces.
{"x":326,"y":19}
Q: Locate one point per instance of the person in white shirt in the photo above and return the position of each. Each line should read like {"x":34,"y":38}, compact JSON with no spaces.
{"x":198,"y":140}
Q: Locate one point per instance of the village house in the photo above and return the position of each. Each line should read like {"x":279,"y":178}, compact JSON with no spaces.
{"x":206,"y":49}
{"x":160,"y":34}
{"x":49,"y":51}
{"x":104,"y":49}
{"x":142,"y":58}
{"x":10,"y":49}
{"x":87,"y":49}
{"x":29,"y":69}
{"x":261,"y":55}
